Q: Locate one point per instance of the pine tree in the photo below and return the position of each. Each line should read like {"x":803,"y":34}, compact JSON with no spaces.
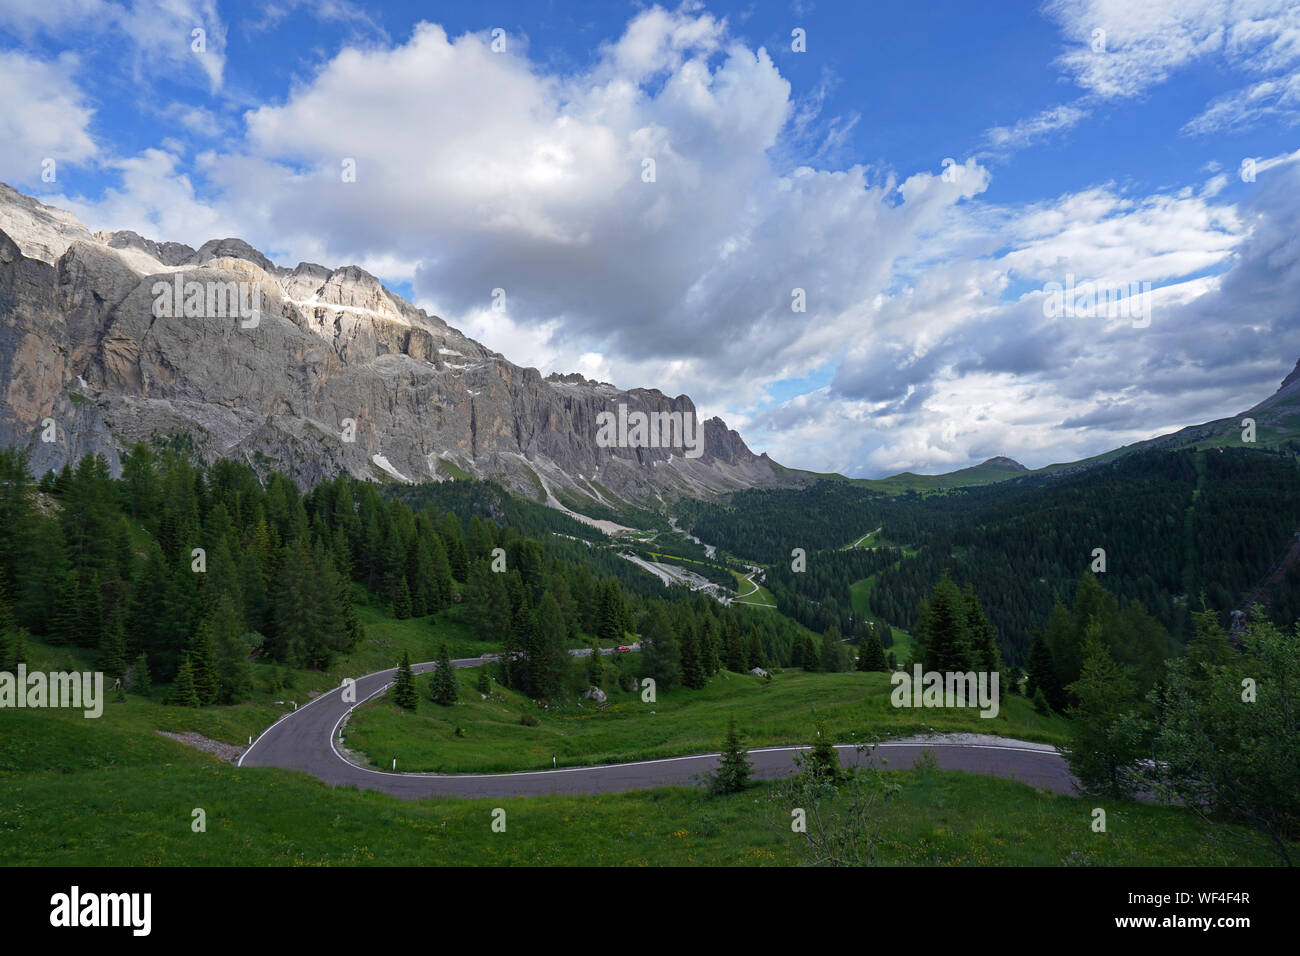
{"x":734,"y":647}
{"x":831,"y":657}
{"x":485,"y":681}
{"x":1040,"y":703}
{"x":404,"y":693}
{"x":231,"y":650}
{"x":112,"y":648}
{"x":67,"y":611}
{"x":822,"y":763}
{"x":734,"y":768}
{"x":443,"y":684}
{"x":660,"y":652}
{"x":692,"y":665}
{"x":709,"y":651}
{"x":184,"y":693}
{"x":401,"y":600}
{"x":810,"y":658}
{"x":140,"y":683}
{"x":1105,"y":733}
{"x":871,"y":655}
{"x":1042,"y":674}
{"x":942,"y":640}
{"x":595,"y":666}
{"x":754,"y":658}
{"x":203,"y":661}
{"x":548,"y":659}
{"x":980,"y":634}
{"x":610,"y":624}
{"x":354,"y":633}
{"x":486,"y":603}
{"x":90,"y":614}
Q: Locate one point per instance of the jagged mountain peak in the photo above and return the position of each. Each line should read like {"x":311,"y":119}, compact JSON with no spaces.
{"x":233,"y":249}
{"x":334,"y":373}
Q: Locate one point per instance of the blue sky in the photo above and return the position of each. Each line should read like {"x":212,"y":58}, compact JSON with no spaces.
{"x":924,"y":345}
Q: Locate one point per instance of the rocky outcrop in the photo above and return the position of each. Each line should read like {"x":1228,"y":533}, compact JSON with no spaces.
{"x":333,"y":372}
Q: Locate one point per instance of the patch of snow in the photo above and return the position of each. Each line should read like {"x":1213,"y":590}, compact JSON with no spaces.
{"x":382,"y":462}
{"x":315,"y":303}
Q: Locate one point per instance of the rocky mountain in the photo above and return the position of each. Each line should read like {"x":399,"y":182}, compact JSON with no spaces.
{"x":109,"y":339}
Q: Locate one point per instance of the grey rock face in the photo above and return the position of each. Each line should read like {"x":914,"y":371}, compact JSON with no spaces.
{"x":334,"y":374}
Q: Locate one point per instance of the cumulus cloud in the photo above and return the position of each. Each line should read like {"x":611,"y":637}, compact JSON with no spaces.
{"x":979,"y":374}
{"x":644,"y":215}
{"x":43,"y":115}
{"x":155,"y":199}
{"x":542,"y":185}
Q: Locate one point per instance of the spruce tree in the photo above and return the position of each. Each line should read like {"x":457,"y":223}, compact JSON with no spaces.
{"x":754,"y":656}
{"x":443,"y":684}
{"x":810,"y":658}
{"x":709,"y":646}
{"x":831,"y":657}
{"x":942,"y":639}
{"x":67,"y":610}
{"x":660,"y":651}
{"x":1105,"y":733}
{"x":485,"y":681}
{"x":822,"y":763}
{"x":734,"y":768}
{"x":404,"y":692}
{"x":112,"y":648}
{"x":693,"y":674}
{"x":1042,"y":674}
{"x":401,"y":600}
{"x":184,"y":693}
{"x":871,"y":655}
{"x":203,"y":660}
{"x":352,"y":629}
{"x":1040,"y":703}
{"x":140,"y":683}
{"x":595,"y":666}
{"x":548,"y":663}
{"x":980,"y":634}
{"x":735,"y":647}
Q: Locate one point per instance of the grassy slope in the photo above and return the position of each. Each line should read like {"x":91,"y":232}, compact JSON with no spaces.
{"x":141,"y":815}
{"x":682,"y":721}
{"x":860,"y":594}
{"x":756,"y":598}
{"x":77,"y":792}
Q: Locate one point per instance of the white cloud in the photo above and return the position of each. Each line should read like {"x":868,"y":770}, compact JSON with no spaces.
{"x":1120,"y":49}
{"x":478,"y":170}
{"x":43,"y":114}
{"x":155,"y":200}
{"x":1036,"y":128}
{"x":158,"y":32}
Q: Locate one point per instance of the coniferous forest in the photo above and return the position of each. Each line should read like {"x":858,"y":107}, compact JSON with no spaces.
{"x":189,"y":572}
{"x":1180,"y":531}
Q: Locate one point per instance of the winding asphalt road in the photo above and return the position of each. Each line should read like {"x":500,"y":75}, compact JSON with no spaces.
{"x":307,"y":740}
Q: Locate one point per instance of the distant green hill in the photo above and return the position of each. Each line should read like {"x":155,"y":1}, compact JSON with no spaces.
{"x":1277,"y":421}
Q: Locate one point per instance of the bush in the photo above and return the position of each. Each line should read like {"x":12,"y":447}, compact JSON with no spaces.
{"x":528,"y":720}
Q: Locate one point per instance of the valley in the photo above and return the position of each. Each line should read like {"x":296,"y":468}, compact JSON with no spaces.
{"x":392,"y":576}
